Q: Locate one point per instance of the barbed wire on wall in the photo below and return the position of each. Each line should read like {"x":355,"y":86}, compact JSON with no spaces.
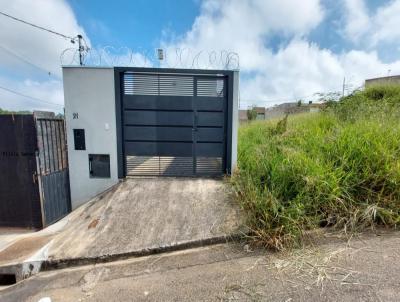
{"x":171,"y":58}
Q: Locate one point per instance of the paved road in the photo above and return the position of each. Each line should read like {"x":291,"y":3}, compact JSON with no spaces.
{"x":365,"y":269}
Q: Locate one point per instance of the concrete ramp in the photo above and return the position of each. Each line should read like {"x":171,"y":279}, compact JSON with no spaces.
{"x":139,"y":216}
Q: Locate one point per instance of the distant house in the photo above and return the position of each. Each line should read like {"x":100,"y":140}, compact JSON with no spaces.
{"x":383,"y":81}
{"x":243,"y":115}
{"x":316,"y":107}
{"x":260,"y":113}
{"x":281,"y":110}
{"x":285,"y":108}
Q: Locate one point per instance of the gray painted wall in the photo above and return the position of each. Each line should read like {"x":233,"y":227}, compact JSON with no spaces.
{"x":235,"y":119}
{"x":90,"y":93}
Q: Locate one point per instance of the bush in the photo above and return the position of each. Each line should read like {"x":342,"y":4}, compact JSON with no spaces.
{"x":251,"y":114}
{"x":338,"y":168}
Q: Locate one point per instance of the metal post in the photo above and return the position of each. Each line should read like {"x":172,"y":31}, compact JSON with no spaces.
{"x":344,"y":84}
{"x":80,"y":49}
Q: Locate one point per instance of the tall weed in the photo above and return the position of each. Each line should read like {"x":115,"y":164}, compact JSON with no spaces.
{"x":338,"y":168}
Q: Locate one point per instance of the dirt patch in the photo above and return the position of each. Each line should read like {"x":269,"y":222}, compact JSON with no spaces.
{"x":23,"y":249}
{"x":93,"y":224}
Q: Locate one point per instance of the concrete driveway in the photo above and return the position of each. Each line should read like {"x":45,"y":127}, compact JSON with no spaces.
{"x":139,"y":216}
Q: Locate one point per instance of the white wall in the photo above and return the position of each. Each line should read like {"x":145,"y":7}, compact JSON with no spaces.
{"x":90,"y":93}
{"x":235,"y":119}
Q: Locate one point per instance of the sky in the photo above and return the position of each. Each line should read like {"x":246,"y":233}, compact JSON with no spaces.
{"x":286,"y":50}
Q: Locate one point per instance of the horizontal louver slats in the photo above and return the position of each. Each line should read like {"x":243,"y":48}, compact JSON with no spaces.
{"x":172,"y":166}
{"x":156,"y":84}
{"x":210,"y":87}
{"x":169,"y":85}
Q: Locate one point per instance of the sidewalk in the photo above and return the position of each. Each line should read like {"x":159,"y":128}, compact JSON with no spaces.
{"x":136,"y":217}
{"x":19,"y":243}
{"x":22,"y":251}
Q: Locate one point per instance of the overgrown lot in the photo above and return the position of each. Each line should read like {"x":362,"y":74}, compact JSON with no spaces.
{"x":338,"y":168}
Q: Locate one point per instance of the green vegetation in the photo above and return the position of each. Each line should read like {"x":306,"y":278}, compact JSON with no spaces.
{"x":2,"y":111}
{"x":251,"y":114}
{"x":338,"y":168}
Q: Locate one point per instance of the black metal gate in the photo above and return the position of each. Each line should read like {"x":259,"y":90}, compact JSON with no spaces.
{"x":19,"y":192}
{"x":34,"y":183}
{"x":174,"y":124}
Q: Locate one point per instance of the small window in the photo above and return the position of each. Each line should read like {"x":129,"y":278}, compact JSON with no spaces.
{"x":99,"y":166}
{"x":79,"y":139}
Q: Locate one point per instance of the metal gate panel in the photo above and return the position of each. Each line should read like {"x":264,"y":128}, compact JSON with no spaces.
{"x":211,"y":87}
{"x":156,"y":84}
{"x":210,"y":119}
{"x":159,"y":148}
{"x":159,"y":166}
{"x":53,"y":169}
{"x":56,"y":195}
{"x":143,"y":133}
{"x":152,"y":102}
{"x":158,"y":118}
{"x":19,"y":192}
{"x":173,"y":124}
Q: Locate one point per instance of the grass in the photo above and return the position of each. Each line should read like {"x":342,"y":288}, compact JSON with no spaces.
{"x":338,"y":168}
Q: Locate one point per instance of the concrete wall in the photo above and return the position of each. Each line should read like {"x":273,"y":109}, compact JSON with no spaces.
{"x":235,"y":119}
{"x":89,"y":92}
{"x":391,"y":80}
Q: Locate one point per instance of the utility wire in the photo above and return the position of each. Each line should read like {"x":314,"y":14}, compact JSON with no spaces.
{"x":24,"y":60}
{"x":81,"y":48}
{"x":29,"y":97}
{"x":37,"y":26}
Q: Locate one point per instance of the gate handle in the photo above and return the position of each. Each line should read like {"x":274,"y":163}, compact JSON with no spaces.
{"x":90,"y":166}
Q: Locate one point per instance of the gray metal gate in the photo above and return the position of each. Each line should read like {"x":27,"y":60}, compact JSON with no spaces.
{"x":53,"y":169}
{"x":174,"y":124}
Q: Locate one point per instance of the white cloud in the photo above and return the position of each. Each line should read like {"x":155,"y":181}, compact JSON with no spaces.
{"x":41,"y":48}
{"x":387,"y":23}
{"x":370,"y":29}
{"x":242,"y":26}
{"x":357,"y":19}
{"x":122,"y":56}
{"x":296,"y":70}
{"x":302,"y":69}
{"x":46,"y":92}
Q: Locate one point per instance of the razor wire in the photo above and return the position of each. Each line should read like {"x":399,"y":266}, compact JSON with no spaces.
{"x":185,"y":58}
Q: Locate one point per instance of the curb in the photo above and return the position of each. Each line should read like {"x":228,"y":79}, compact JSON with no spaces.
{"x":48,"y":265}
{"x":22,"y":270}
